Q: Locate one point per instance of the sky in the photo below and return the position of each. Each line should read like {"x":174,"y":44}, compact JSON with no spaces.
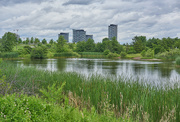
{"x":47,"y":18}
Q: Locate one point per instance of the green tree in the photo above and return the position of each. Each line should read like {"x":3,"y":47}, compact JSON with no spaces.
{"x":81,"y":46}
{"x":99,"y":47}
{"x":90,"y":45}
{"x":51,"y":41}
{"x":44,"y":41}
{"x":139,"y":43}
{"x":61,"y":44}
{"x":36,"y":41}
{"x":27,"y":41}
{"x":8,"y":41}
{"x":32,"y":40}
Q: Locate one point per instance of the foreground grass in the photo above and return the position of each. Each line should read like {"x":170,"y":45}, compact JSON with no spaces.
{"x":126,"y":99}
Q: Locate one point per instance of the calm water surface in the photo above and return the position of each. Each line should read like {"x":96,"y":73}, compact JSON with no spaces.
{"x":150,"y":71}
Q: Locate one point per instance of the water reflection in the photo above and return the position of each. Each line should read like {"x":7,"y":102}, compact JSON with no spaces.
{"x":151,"y":71}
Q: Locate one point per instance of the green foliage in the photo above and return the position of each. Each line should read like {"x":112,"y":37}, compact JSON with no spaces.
{"x":172,"y":54}
{"x":53,"y":94}
{"x":143,"y":53}
{"x":178,"y":60}
{"x":125,"y":97}
{"x":67,"y":54}
{"x":27,"y":41}
{"x":123,"y":54}
{"x":61,"y":45}
{"x":39,"y":52}
{"x":89,"y":45}
{"x":44,"y":41}
{"x":27,"y":49}
{"x":131,"y":50}
{"x":81,"y":46}
{"x":148,"y":53}
{"x":8,"y":41}
{"x":139,"y":43}
{"x":106,"y":52}
{"x":9,"y":55}
{"x":51,"y":41}
{"x":92,"y":55}
{"x":112,"y":55}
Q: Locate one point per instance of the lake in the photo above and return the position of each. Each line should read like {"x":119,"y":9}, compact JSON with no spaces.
{"x":154,"y":72}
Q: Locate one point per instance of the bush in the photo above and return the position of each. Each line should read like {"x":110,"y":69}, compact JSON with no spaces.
{"x":27,"y":49}
{"x":39,"y":53}
{"x":112,"y":55}
{"x":178,"y":60}
{"x":106,"y":52}
{"x":123,"y":54}
{"x":143,"y":53}
{"x":172,"y":54}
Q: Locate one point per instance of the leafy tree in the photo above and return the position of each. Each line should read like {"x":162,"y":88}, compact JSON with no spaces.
{"x":106,"y":43}
{"x":19,"y":41}
{"x":61,"y":42}
{"x":139,"y":43}
{"x":44,"y":41}
{"x":27,"y":41}
{"x":8,"y":41}
{"x":32,"y":40}
{"x":81,"y":46}
{"x":36,"y":41}
{"x":39,"y":52}
{"x":99,"y":47}
{"x":51,"y":41}
{"x":90,"y":45}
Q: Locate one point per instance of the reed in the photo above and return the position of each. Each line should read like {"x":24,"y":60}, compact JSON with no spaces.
{"x":92,"y":55}
{"x":178,"y":61}
{"x":125,"y":97}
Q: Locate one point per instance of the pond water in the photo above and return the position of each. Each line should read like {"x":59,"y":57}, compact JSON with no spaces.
{"x":150,"y":71}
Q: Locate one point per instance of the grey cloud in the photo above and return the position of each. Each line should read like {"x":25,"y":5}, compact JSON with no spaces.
{"x":11,"y":2}
{"x":81,"y":2}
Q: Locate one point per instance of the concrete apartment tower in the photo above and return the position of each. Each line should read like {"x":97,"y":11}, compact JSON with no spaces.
{"x":112,"y":31}
{"x":79,"y":35}
{"x":65,"y":35}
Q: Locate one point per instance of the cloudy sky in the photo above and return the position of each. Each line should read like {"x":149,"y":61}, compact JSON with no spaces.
{"x":47,"y":18}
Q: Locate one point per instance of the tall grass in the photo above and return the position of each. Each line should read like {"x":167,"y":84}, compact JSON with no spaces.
{"x":9,"y":55}
{"x":178,"y":61}
{"x":67,"y":54}
{"x":92,"y":55}
{"x":124,"y":97}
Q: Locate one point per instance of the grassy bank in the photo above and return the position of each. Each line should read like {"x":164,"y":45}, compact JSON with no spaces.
{"x":126,"y":98}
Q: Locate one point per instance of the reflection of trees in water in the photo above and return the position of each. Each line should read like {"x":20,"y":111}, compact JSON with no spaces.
{"x":42,"y":63}
{"x":165,"y":69}
{"x":138,"y":69}
{"x":90,"y":64}
{"x":112,"y":66}
{"x":61,"y":64}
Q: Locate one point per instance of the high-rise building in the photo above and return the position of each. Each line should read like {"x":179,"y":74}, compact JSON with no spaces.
{"x":89,"y":37}
{"x":112,"y":31}
{"x":79,"y":35}
{"x":65,"y":35}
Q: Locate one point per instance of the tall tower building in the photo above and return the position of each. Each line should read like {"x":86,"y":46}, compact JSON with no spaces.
{"x":65,"y":35}
{"x":112,"y":31}
{"x":79,"y":35}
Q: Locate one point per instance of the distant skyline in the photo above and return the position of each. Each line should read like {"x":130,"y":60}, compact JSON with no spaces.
{"x":47,"y":18}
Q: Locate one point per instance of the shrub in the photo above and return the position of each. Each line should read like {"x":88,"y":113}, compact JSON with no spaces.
{"x":123,"y":54}
{"x":27,"y":49}
{"x":106,"y":52}
{"x":178,"y":60}
{"x":38,"y":53}
{"x":143,"y":53}
{"x":112,"y":55}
